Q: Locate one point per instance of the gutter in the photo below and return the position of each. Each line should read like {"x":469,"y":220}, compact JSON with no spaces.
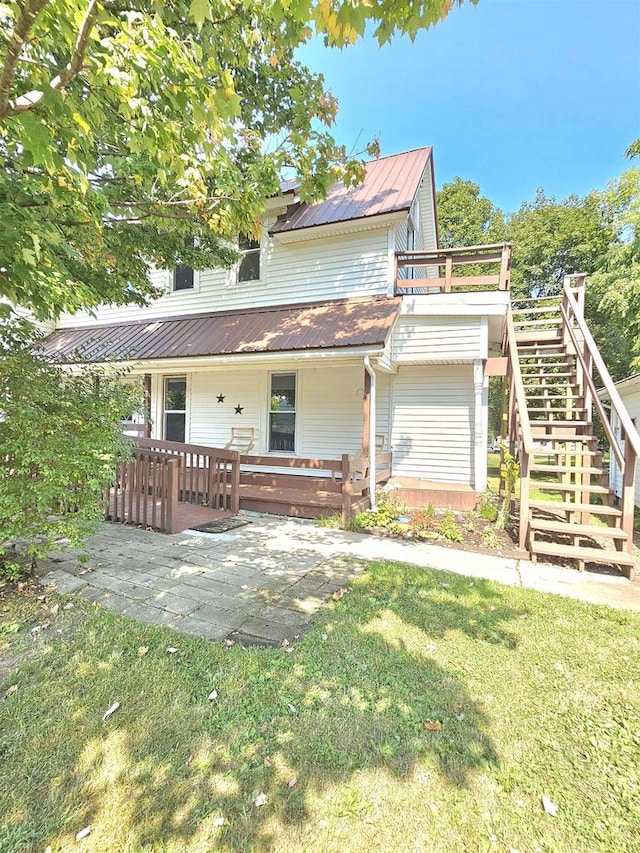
{"x":372,"y":432}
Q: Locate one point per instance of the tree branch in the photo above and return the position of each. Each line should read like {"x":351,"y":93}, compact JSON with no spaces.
{"x":74,"y":66}
{"x":27,"y":19}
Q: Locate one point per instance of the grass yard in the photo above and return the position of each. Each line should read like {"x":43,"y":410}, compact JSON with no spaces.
{"x":423,"y":712}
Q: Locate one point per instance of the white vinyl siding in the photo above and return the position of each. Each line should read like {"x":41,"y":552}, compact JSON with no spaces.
{"x":433,"y":423}
{"x":331,"y":411}
{"x":418,"y":339}
{"x":427,"y":210}
{"x":352,"y":265}
{"x":210,"y":421}
{"x":631,"y":401}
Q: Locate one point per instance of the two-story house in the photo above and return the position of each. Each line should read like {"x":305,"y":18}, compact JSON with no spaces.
{"x":322,"y":341}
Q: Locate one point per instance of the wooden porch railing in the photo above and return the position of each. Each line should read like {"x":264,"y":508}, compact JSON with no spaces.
{"x":579,"y":338}
{"x":497,"y":255}
{"x":209,"y":476}
{"x":517,"y":423}
{"x":344,"y":476}
{"x":145,"y":491}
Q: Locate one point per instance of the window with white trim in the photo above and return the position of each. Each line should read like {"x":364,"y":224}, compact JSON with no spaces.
{"x":175,"y":408}
{"x":249,"y":263}
{"x":282,"y":413}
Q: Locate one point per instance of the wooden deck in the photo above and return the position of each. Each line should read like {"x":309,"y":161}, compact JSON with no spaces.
{"x":184,"y":516}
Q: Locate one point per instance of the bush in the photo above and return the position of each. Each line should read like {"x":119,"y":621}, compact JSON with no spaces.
{"x":423,"y":520}
{"x":61,"y":441}
{"x":388,"y":508}
{"x":449,"y":527}
{"x":487,"y":508}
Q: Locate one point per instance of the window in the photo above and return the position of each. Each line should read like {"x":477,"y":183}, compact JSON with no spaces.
{"x":183,"y":278}
{"x":175,"y":408}
{"x":282,"y":413}
{"x":411,"y":244}
{"x":249,"y":264}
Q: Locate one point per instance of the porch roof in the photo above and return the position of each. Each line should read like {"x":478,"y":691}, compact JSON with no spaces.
{"x":341,"y":323}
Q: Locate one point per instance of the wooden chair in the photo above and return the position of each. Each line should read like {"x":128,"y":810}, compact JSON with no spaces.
{"x":361,"y":461}
{"x":242,"y":439}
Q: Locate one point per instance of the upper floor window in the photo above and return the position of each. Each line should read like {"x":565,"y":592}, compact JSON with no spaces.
{"x":183,"y":278}
{"x":249,"y":264}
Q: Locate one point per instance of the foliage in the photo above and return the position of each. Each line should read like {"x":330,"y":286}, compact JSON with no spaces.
{"x":449,"y":527}
{"x":388,"y":508}
{"x":490,"y":538}
{"x":552,"y":239}
{"x":487,"y":508}
{"x":127,"y":129}
{"x":613,"y":292}
{"x":467,"y":218}
{"x":60,"y":444}
{"x":423,"y":520}
{"x":509,"y":473}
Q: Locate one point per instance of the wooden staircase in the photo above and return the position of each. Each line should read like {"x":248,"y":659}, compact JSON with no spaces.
{"x":567,"y":509}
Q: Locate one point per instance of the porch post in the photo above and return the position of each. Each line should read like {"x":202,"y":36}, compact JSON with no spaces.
{"x":369,"y":427}
{"x":479,"y":438}
{"x":146,"y":396}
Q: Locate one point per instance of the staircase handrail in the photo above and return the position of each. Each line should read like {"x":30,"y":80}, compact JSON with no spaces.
{"x":631,"y":434}
{"x":518,"y":385}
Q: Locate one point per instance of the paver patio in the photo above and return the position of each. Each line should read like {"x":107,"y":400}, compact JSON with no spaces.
{"x":263,"y":582}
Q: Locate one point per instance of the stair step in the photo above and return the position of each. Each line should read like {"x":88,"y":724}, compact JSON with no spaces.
{"x":564,"y":469}
{"x":525,"y":325}
{"x":557,"y":526}
{"x":575,"y":439}
{"x":563,"y":451}
{"x":554,"y":397}
{"x":542,"y":409}
{"x":546,"y":366}
{"x":559,"y":423}
{"x":588,"y":555}
{"x":568,"y":506}
{"x":542,"y":374}
{"x":549,"y":486}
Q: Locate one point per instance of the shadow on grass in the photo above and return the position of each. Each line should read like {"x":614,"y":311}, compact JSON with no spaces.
{"x":365,"y":690}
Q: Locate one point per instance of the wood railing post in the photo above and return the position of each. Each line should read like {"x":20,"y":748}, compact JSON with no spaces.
{"x":628,"y":493}
{"x":448,"y":274}
{"x":346,"y":490}
{"x":171,"y":496}
{"x":524,"y":499}
{"x":235,"y":484}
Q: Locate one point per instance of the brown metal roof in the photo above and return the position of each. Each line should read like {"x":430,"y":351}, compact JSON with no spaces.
{"x":390,"y":185}
{"x":341,"y":323}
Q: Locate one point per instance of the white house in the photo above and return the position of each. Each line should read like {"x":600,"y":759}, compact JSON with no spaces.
{"x":629,"y":390}
{"x":323,"y":339}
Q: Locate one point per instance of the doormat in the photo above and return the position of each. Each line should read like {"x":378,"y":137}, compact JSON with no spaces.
{"x":220,"y":525}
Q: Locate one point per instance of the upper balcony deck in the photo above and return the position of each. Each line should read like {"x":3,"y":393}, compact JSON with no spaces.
{"x":423,"y":272}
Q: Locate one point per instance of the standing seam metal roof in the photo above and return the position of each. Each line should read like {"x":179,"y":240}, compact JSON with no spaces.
{"x":390,"y":185}
{"x":318,"y":325}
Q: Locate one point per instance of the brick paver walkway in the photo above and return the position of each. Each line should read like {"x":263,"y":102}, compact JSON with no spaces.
{"x":265,"y":581}
{"x":242,"y":583}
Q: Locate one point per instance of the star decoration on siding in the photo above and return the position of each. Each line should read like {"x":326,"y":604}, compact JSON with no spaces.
{"x":239,"y":409}
{"x":221,"y":398}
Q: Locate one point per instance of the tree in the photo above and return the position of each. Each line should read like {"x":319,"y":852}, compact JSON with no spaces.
{"x":552,"y":239}
{"x":129,"y":126}
{"x":467,"y":218}
{"x":613,"y":292}
{"x":60,"y":444}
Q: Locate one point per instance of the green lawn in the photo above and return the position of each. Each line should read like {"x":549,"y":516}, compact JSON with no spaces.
{"x":424,"y":711}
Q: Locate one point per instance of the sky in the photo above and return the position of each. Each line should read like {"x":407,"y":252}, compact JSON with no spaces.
{"x":512,"y":94}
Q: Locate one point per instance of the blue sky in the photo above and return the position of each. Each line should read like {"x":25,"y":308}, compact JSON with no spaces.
{"x":512,"y":94}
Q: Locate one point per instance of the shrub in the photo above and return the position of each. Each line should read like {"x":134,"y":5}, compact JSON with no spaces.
{"x":388,"y":508}
{"x":449,"y":527}
{"x":61,"y":441}
{"x":423,"y":520}
{"x":487,"y":509}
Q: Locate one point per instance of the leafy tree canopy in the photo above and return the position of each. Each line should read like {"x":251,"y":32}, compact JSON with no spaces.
{"x":467,"y":218}
{"x":128,"y":125}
